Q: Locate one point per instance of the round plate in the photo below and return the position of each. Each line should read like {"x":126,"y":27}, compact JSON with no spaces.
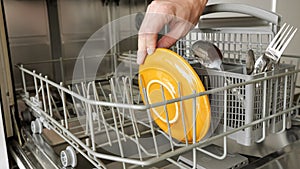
{"x":160,"y":75}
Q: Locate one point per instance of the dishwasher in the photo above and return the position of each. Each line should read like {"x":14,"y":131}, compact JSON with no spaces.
{"x":103,"y":119}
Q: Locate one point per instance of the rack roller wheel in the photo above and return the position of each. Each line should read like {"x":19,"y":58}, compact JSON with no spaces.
{"x":68,"y":157}
{"x":36,"y":126}
{"x":27,"y":117}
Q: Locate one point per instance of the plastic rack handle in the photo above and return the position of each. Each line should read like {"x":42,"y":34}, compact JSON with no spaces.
{"x":243,"y":9}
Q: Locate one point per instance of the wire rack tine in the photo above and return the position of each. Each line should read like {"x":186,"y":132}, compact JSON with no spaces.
{"x":133,"y":121}
{"x":96,"y":97}
{"x":102,"y":90}
{"x":167,"y":117}
{"x":116,"y":129}
{"x":149,"y":117}
{"x":128,"y":82}
{"x":114,"y":95}
{"x":182,"y":115}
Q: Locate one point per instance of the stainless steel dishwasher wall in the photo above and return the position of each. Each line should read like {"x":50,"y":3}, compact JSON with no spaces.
{"x":47,"y":35}
{"x":28,"y":32}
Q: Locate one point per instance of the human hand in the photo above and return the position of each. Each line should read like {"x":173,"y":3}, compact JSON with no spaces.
{"x":180,"y":15}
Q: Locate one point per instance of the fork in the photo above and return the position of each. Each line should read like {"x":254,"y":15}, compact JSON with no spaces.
{"x":275,"y":49}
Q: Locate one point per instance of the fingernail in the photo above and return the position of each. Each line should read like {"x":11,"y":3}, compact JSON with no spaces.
{"x":150,"y":51}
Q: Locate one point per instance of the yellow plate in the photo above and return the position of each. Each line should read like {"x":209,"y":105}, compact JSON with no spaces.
{"x":164,"y":69}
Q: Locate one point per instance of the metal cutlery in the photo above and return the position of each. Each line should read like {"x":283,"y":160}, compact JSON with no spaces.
{"x":275,"y":49}
{"x":210,"y":56}
{"x":207,"y":54}
{"x":250,"y":61}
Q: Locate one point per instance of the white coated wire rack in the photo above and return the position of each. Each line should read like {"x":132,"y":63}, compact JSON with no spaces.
{"x":125,"y":129}
{"x":115,"y":125}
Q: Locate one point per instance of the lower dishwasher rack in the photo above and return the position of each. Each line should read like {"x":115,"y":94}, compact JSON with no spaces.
{"x":107,"y":121}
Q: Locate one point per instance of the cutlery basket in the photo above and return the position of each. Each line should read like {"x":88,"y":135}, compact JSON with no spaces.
{"x":251,"y":102}
{"x":234,"y":36}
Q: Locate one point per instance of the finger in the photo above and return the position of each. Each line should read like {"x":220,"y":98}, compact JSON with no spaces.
{"x":157,"y":15}
{"x":147,"y":37}
{"x":178,"y":30}
{"x":151,"y":40}
{"x":153,"y":22}
{"x":141,"y":53}
{"x":166,"y":42}
{"x":146,"y":45}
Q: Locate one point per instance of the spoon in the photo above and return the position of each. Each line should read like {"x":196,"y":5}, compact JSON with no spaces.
{"x":250,"y":61}
{"x":210,"y":56}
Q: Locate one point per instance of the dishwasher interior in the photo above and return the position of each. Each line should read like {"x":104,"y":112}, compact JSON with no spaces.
{"x":81,"y":104}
